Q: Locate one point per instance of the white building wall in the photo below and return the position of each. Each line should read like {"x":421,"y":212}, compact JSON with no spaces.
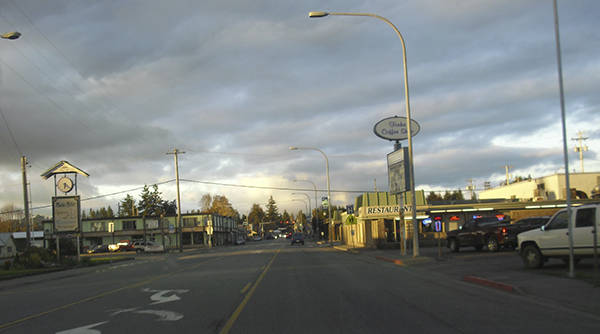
{"x":554,"y":187}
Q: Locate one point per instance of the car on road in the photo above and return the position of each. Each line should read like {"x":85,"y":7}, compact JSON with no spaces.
{"x":240,"y":241}
{"x":125,"y":246}
{"x":298,"y":238}
{"x":98,"y":249}
{"x":147,"y":247}
{"x":552,"y":240}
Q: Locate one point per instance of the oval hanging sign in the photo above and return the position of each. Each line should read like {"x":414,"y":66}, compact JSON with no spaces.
{"x":394,"y":128}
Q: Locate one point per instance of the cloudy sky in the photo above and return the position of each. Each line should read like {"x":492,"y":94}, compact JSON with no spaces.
{"x":112,"y":86}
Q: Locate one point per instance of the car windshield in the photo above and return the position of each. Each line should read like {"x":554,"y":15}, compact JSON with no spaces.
{"x":244,"y":166}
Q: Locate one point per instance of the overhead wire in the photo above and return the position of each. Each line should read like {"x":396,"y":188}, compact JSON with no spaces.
{"x":10,"y":133}
{"x":62,"y":54}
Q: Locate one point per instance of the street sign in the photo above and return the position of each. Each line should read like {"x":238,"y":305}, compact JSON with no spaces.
{"x":350,"y":209}
{"x":111,"y":227}
{"x":394,"y":128}
{"x":398,"y":171}
{"x":65,"y":213}
{"x":438,"y":226}
{"x":325,"y":202}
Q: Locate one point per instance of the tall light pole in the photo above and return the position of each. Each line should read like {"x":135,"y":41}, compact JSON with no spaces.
{"x":564,"y":135}
{"x":408,"y":120}
{"x":305,"y":206}
{"x":175,"y":153}
{"x":316,"y":206}
{"x":308,"y":200}
{"x":293,"y":148}
{"x":12,"y":36}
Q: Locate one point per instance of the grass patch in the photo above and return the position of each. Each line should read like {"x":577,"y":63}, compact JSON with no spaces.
{"x":16,"y":273}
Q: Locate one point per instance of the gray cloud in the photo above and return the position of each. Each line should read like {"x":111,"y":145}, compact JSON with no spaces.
{"x":234,"y":84}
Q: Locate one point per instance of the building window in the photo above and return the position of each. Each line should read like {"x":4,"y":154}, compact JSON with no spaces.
{"x":190,"y":222}
{"x":129,"y":225}
{"x":97,"y":227}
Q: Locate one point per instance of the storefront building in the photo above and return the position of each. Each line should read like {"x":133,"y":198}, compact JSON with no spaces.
{"x":198,"y":229}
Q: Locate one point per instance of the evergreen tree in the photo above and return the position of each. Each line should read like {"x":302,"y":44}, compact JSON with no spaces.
{"x":433,"y":197}
{"x":286,"y":216}
{"x":127,"y":207}
{"x":150,"y":203}
{"x":109,"y":212}
{"x":272,"y":212}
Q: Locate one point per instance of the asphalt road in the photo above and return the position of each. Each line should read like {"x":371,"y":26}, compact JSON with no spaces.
{"x":271,"y":287}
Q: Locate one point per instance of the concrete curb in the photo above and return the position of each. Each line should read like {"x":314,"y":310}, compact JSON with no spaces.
{"x":344,"y":249}
{"x":490,"y":283}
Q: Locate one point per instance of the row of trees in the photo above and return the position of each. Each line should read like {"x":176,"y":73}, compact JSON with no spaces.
{"x":456,"y":195}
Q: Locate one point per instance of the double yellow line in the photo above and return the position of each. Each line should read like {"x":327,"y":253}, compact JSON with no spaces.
{"x":240,"y":307}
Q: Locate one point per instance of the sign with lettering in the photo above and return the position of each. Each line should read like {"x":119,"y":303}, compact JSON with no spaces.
{"x":381,"y":211}
{"x":394,"y":128}
{"x":65,"y":213}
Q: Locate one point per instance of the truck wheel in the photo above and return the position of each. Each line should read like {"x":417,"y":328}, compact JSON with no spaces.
{"x":453,"y":244}
{"x":492,"y":244}
{"x":532,"y":258}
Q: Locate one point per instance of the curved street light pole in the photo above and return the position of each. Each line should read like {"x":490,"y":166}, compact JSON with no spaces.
{"x":316,"y":205}
{"x":309,"y":205}
{"x":293,"y":148}
{"x":303,"y":201}
{"x":408,"y":119}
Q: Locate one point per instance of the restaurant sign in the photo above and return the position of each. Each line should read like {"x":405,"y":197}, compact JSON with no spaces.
{"x":381,"y":211}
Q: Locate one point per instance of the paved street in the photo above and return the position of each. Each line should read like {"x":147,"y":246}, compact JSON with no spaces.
{"x":271,"y":287}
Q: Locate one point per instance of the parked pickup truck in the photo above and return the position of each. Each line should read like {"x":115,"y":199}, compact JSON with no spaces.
{"x":552,"y":239}
{"x":479,"y":232}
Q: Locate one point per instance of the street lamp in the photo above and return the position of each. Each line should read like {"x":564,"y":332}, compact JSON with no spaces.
{"x":308,"y":199}
{"x":408,"y":119}
{"x":316,"y":205}
{"x":303,"y":201}
{"x":11,"y":35}
{"x":294,"y":148}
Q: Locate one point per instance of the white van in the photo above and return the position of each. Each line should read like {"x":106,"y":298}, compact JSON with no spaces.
{"x":552,"y":239}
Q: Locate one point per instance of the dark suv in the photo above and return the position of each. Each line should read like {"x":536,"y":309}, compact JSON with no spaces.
{"x":297,"y":238}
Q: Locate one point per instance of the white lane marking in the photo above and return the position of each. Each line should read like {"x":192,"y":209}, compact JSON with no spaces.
{"x":119,"y":311}
{"x":163,"y":315}
{"x":159,"y":296}
{"x":84,"y":330}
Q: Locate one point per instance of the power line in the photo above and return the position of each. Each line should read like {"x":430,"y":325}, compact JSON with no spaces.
{"x":59,"y":51}
{"x":90,"y":198}
{"x":270,"y":188}
{"x":10,"y":133}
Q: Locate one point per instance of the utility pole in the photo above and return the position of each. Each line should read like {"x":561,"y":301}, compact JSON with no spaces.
{"x":26,"y":200}
{"x":471,"y":188}
{"x":580,"y":147}
{"x":507,"y":167}
{"x":175,"y":153}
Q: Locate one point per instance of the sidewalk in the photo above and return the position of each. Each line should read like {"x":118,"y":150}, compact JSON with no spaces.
{"x":503,"y":271}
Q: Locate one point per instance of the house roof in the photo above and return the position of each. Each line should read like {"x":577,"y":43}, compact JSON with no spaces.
{"x":61,"y":168}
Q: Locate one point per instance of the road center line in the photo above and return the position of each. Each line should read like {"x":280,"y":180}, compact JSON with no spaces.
{"x":245,"y":288}
{"x":240,"y":307}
